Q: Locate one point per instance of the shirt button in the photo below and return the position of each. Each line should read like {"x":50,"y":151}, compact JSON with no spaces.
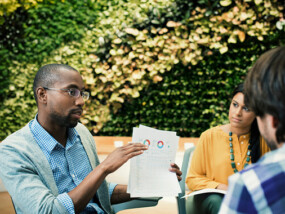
{"x":241,"y":142}
{"x":238,"y":163}
{"x":243,"y":136}
{"x":72,"y":175}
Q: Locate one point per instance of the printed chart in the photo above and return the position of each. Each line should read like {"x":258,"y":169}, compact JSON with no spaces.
{"x":149,"y":173}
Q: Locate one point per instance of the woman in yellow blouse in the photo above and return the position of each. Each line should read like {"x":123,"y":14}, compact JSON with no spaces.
{"x":222,"y":151}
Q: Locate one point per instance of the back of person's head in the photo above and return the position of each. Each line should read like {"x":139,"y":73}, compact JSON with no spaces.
{"x":254,"y":131}
{"x":265,"y":88}
{"x":48,"y":75}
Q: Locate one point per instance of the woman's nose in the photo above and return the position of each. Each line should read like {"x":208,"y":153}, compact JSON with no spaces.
{"x":239,"y":111}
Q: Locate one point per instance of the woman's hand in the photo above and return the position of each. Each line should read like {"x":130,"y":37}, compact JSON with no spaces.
{"x":222,"y":187}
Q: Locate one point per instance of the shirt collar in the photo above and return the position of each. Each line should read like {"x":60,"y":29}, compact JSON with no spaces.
{"x":46,"y":141}
{"x":282,"y":147}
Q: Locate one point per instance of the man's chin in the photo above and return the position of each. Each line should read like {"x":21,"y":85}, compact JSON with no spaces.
{"x":72,"y":124}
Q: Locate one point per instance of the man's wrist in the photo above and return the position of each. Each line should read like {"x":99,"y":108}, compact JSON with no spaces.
{"x":103,"y":169}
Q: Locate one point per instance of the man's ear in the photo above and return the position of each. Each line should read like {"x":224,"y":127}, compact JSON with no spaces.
{"x":41,"y":95}
{"x":275,"y":122}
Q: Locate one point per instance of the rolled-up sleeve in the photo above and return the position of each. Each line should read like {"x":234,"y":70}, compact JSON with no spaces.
{"x":111,"y":188}
{"x":66,"y":201}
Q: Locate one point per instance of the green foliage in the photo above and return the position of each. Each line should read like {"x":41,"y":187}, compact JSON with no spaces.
{"x":20,"y":107}
{"x":27,"y":39}
{"x":190,"y":100}
{"x":9,"y":6}
{"x":126,"y":48}
{"x":154,"y":46}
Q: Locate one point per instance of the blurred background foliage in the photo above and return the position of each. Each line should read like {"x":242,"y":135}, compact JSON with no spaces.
{"x":169,"y":64}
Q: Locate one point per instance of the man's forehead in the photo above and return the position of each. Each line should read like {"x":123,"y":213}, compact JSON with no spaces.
{"x":69,"y":78}
{"x":64,"y":71}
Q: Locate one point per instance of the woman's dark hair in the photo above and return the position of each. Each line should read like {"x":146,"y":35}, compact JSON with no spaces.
{"x":254,"y":132}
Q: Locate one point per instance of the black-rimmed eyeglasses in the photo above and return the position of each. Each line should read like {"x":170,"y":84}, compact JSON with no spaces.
{"x":73,"y":92}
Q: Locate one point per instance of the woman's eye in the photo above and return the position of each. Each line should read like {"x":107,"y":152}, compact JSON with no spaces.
{"x":246,"y":109}
{"x":235,"y":104}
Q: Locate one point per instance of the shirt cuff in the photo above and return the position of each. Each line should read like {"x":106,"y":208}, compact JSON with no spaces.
{"x":66,"y":201}
{"x":111,"y":188}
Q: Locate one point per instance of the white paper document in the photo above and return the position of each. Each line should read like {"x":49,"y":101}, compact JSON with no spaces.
{"x":149,"y":173}
{"x":202,"y":191}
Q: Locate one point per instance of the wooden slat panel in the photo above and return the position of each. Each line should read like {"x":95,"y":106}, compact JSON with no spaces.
{"x":106,"y":145}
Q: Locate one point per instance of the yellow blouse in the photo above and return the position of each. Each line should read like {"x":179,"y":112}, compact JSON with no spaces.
{"x":211,"y":164}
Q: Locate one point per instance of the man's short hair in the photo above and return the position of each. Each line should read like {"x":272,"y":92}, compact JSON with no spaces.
{"x":48,"y":75}
{"x":265,"y":88}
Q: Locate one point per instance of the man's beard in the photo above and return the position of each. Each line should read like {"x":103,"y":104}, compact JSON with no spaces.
{"x":64,"y":121}
{"x":271,"y":144}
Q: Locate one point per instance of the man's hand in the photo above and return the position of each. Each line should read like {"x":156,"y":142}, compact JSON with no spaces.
{"x":176,"y":169}
{"x":121,"y":155}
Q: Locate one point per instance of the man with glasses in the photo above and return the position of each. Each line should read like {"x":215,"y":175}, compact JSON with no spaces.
{"x":51,"y":165}
{"x":73,"y":92}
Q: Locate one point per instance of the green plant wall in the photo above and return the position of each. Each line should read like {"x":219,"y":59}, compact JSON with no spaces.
{"x":190,"y":100}
{"x":127,"y":51}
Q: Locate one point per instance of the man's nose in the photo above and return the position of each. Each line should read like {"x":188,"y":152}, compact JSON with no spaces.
{"x":79,"y":101}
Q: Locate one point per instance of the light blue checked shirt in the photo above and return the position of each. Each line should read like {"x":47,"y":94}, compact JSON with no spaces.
{"x":69,"y":164}
{"x":260,"y":188}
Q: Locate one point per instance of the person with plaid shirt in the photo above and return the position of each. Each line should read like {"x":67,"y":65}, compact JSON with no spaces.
{"x":259,"y":188}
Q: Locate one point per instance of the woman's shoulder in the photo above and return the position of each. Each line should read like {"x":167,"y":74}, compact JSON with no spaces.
{"x":217,"y":130}
{"x":212,"y":136}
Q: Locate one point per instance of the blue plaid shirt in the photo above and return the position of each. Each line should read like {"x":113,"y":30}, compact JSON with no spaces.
{"x":260,"y":188}
{"x":69,"y":164}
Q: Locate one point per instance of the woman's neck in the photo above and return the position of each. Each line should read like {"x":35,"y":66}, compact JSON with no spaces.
{"x":239,"y":131}
{"x":235,"y":130}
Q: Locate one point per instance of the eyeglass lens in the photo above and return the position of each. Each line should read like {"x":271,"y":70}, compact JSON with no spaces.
{"x":75,"y":93}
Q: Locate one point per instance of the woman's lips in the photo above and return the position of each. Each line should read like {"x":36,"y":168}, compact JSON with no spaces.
{"x":236,"y":120}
